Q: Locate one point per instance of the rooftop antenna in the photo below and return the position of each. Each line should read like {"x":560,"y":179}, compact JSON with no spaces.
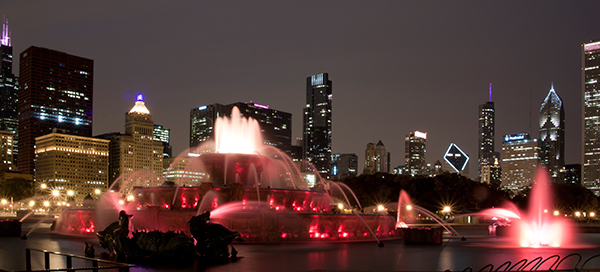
{"x":490,"y":92}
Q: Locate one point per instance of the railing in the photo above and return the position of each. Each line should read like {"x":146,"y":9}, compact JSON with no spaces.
{"x":536,"y":263}
{"x":123,"y":267}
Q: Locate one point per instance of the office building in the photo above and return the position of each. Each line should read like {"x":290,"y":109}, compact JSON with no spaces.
{"x":415,"y":153}
{"x":486,"y":153}
{"x":179,"y":171}
{"x":136,"y":151}
{"x":275,"y":125}
{"x":520,"y":158}
{"x":376,"y":159}
{"x":76,"y":166}
{"x":163,"y":135}
{"x":6,"y":151}
{"x":9,"y":91}
{"x":591,"y":115}
{"x":344,"y":165}
{"x":552,"y":135}
{"x":56,"y":92}
{"x":456,"y":161}
{"x":317,"y":122}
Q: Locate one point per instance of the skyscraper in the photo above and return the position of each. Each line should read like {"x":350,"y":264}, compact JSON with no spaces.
{"x":456,"y":161}
{"x":552,"y":135}
{"x":487,"y":155}
{"x":275,"y":125}
{"x":415,"y":151}
{"x":317,"y":122}
{"x":9,"y":90}
{"x":591,"y":114}
{"x":164,"y":135}
{"x":136,"y":149}
{"x":56,"y":91}
{"x":72,"y":163}
{"x":520,"y":158}
{"x":376,"y":159}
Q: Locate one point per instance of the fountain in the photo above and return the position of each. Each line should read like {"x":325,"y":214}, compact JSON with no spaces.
{"x":247,"y":186}
{"x":538,"y":226}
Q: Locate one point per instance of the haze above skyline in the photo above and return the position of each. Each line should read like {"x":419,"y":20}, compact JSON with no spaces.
{"x":396,"y":66}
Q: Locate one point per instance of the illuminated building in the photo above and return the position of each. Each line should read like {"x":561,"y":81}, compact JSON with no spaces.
{"x":343,"y":166}
{"x":591,"y":115}
{"x":178,"y":171}
{"x":9,"y":91}
{"x":136,"y":150}
{"x":415,"y":151}
{"x":317,"y":122}
{"x":376,"y":159}
{"x":6,"y":150}
{"x":520,"y":158}
{"x":491,"y":173}
{"x":275,"y":125}
{"x":486,"y":154}
{"x":56,"y":91}
{"x":456,"y":161}
{"x":552,"y":135}
{"x":72,"y":163}
{"x":164,"y":135}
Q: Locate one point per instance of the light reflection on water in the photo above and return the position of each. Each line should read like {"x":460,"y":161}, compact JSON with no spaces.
{"x":478,"y":251}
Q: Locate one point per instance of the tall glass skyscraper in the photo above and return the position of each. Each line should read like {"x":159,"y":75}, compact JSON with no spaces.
{"x":552,"y":135}
{"x":317,"y":123}
{"x":487,"y":156}
{"x":56,"y":92}
{"x":591,"y":114}
{"x":415,"y":153}
{"x":9,"y":90}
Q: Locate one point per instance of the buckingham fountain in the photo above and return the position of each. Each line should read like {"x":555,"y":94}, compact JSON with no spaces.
{"x":247,"y":186}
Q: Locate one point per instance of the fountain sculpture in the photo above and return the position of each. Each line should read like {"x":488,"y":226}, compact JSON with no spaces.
{"x":247,"y":186}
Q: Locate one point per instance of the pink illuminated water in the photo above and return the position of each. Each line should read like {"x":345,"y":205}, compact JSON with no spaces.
{"x":237,"y":134}
{"x":538,"y":226}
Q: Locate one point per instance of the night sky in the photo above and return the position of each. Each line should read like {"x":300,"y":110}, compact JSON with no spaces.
{"x":396,"y":66}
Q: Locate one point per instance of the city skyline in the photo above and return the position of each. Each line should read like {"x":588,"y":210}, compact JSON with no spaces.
{"x":398,"y":67}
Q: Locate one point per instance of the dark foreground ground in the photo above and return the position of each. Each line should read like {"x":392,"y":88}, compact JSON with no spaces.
{"x":477,"y":251}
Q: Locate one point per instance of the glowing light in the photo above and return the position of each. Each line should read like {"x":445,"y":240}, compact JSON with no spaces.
{"x":121,"y":202}
{"x":130,"y":198}
{"x":592,"y":214}
{"x":55,"y":192}
{"x":261,"y":106}
{"x":46,"y":203}
{"x":237,"y":134}
{"x":556,"y":213}
{"x":422,"y":135}
{"x":447,"y":209}
{"x":139,"y":97}
{"x":408,"y":207}
{"x":97,"y":191}
{"x":43,"y":186}
{"x":545,"y":210}
{"x":70,"y":193}
{"x":380,"y":208}
{"x":31,"y":203}
{"x":340,"y":206}
{"x":578,"y":214}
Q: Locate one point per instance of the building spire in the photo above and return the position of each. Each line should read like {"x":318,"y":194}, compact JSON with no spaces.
{"x":5,"y":33}
{"x":490,"y":92}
